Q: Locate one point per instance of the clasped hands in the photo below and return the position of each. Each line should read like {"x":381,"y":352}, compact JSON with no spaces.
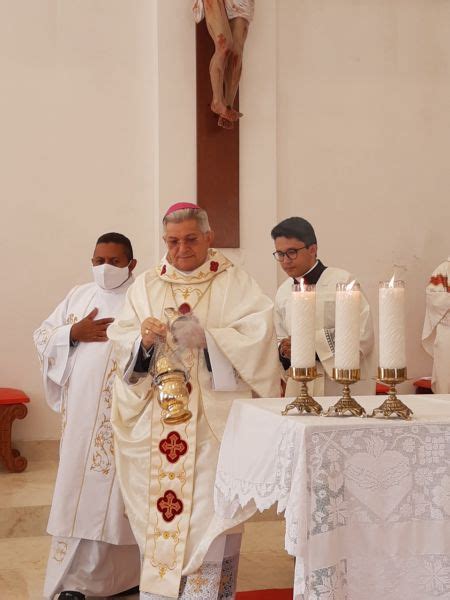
{"x":186,"y":331}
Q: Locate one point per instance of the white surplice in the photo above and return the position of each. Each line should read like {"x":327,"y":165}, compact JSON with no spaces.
{"x":87,"y":502}
{"x":216,"y":579}
{"x":237,"y":318}
{"x":436,"y":328}
{"x":325,"y":326}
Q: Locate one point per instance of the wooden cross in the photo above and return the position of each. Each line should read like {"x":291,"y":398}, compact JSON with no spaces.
{"x":217,"y":154}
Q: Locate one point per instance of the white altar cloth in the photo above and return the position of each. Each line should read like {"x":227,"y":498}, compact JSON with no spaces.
{"x":366,"y":501}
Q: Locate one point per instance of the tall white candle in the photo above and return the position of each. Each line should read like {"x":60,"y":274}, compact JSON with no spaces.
{"x":347,"y":326}
{"x":303,"y":329}
{"x":392,"y":324}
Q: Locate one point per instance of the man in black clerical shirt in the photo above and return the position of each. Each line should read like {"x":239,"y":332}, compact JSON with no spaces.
{"x":296,"y":251}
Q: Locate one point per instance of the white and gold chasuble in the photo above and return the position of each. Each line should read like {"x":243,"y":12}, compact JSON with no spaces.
{"x":78,"y":382}
{"x":167,"y":472}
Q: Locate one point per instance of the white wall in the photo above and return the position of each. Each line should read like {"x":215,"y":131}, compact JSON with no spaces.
{"x":363,"y":138}
{"x":77,"y":156}
{"x":346,"y":121}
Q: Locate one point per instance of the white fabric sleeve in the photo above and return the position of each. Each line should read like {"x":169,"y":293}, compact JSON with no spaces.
{"x":59,"y":355}
{"x":280,"y":316}
{"x":437,"y":309}
{"x":52,"y":340}
{"x":223,"y":376}
{"x":130,"y":376}
{"x":325,"y":344}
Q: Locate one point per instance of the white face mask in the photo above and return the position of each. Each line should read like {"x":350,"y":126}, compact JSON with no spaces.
{"x":109,"y":277}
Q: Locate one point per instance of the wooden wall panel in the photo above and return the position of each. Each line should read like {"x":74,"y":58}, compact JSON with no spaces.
{"x":217,"y":155}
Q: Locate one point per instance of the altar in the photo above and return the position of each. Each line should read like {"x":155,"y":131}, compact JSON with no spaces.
{"x":366,"y":501}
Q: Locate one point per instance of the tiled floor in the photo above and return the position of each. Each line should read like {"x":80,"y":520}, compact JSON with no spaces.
{"x":24,"y":505}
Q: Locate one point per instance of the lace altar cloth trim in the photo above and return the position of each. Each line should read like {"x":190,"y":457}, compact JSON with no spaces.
{"x":424,"y":577}
{"x":232,"y":493}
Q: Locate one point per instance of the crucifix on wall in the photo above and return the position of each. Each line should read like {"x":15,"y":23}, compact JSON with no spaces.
{"x":222,"y":27}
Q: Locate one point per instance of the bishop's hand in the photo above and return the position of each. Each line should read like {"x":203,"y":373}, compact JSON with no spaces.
{"x":285,"y":347}
{"x":90,"y":329}
{"x":152,"y":328}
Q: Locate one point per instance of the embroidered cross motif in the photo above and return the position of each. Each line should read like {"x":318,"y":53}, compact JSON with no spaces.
{"x":173,"y":447}
{"x":169,"y":506}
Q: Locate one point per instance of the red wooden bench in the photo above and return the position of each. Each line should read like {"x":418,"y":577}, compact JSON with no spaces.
{"x":381,"y":388}
{"x":12,"y":406}
{"x":423,"y":385}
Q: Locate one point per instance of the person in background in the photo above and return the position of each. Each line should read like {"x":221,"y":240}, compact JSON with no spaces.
{"x":436,"y":328}
{"x":296,"y":251}
{"x":93,"y":550}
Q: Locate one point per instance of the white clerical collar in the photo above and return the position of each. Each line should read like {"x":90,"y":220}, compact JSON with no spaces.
{"x":185,"y":272}
{"x":305,"y":274}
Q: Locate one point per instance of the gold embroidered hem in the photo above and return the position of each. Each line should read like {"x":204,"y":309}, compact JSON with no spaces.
{"x":216,"y":578}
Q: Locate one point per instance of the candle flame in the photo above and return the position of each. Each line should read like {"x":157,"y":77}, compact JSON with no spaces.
{"x":392,"y":281}
{"x":350,"y":285}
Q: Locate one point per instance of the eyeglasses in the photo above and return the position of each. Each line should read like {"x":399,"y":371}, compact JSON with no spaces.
{"x":291,"y":253}
{"x":186,"y":241}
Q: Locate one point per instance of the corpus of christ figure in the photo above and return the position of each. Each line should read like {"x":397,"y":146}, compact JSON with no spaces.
{"x":227,"y":22}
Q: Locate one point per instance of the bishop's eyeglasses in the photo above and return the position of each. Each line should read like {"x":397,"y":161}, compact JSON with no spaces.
{"x":291,"y":253}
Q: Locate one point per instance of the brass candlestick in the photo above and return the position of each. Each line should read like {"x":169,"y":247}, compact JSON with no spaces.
{"x":173,"y":393}
{"x":304,"y":403}
{"x":346,"y":403}
{"x":392,"y":405}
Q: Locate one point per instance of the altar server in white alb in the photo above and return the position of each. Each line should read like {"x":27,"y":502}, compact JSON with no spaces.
{"x":167,"y":472}
{"x":436,"y":328}
{"x":93,"y":551}
{"x":296,"y":251}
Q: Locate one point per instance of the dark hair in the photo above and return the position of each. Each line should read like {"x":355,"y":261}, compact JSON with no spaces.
{"x":295,"y":227}
{"x":117,"y":238}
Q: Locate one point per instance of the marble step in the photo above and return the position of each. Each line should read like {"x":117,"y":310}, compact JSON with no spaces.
{"x":31,"y":521}
{"x":22,"y":567}
{"x":263,"y":563}
{"x":38,"y":449}
{"x":25,"y":498}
